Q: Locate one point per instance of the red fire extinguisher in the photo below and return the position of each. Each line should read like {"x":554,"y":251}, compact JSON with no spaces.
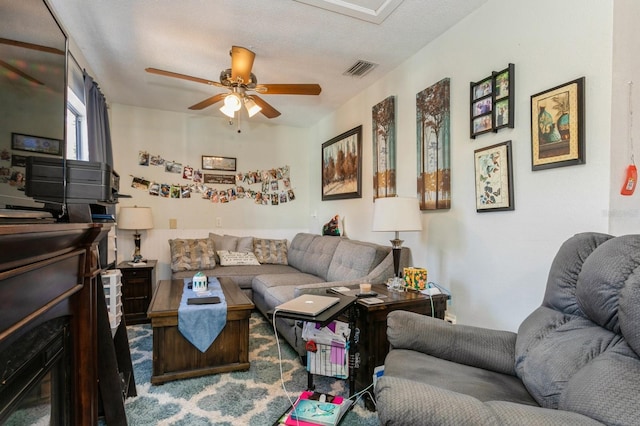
{"x":632,"y":173}
{"x":630,"y":181}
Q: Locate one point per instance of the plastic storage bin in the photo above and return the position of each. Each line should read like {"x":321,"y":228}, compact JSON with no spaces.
{"x":111,"y":282}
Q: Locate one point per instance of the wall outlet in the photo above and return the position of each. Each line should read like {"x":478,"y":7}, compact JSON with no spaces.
{"x":219,"y":222}
{"x":173,"y":223}
{"x":450,"y":318}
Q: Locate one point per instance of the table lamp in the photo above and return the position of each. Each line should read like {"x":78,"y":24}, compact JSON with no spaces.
{"x":396,"y":214}
{"x":135,"y":218}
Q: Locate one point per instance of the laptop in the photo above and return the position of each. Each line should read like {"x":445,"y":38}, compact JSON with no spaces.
{"x":308,"y":304}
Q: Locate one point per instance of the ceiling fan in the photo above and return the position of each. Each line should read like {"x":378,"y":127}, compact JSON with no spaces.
{"x":240,"y":81}
{"x":25,"y":45}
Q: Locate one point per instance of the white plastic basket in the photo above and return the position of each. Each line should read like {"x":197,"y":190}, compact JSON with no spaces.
{"x":332,"y":355}
{"x":113,"y":295}
{"x":329,"y":360}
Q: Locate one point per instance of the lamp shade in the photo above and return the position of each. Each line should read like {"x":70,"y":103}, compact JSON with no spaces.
{"x":135,"y":218}
{"x":252,"y":107}
{"x":396,"y":214}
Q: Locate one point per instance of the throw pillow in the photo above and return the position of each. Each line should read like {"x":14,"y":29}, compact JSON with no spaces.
{"x":270,"y":251}
{"x":245,"y":244}
{"x":236,"y":258}
{"x":224,"y":242}
{"x":192,"y":254}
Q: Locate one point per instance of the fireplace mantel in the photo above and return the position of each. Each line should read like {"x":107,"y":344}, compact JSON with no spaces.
{"x":47,"y":271}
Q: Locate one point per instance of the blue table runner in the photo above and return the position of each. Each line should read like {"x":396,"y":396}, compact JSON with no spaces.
{"x":201,"y":324}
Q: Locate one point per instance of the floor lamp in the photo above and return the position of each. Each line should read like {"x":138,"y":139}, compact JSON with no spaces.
{"x":396,"y":214}
{"x":137,"y":219}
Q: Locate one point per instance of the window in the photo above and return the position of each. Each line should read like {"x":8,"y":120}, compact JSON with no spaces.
{"x":77,"y":144}
{"x":77,"y":140}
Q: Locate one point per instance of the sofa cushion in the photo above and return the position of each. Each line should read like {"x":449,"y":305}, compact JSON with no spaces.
{"x":351,"y":261}
{"x":236,"y":258}
{"x":276,"y":295}
{"x":298,"y":248}
{"x":224,"y":242}
{"x":270,"y":251}
{"x":244,"y":244}
{"x":231,"y":243}
{"x":318,"y":256}
{"x":242,"y":275}
{"x":482,"y":384}
{"x":192,"y":254}
{"x":264,"y":282}
{"x":563,"y":274}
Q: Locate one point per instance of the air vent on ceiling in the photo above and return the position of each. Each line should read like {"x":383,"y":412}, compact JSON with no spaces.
{"x":360,"y":68}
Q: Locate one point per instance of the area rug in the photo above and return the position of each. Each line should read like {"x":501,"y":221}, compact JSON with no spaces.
{"x":252,"y":397}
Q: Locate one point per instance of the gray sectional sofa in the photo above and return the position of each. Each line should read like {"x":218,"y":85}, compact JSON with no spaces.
{"x":312,"y":264}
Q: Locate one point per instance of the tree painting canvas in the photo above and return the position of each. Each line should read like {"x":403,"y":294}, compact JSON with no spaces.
{"x":342,"y":166}
{"x":434,"y":165}
{"x":384,"y":148}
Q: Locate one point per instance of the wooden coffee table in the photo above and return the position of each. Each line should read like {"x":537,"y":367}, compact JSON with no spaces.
{"x":174,"y":357}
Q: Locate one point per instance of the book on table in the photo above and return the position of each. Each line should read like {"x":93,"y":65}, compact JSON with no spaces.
{"x":316,"y":412}
{"x":310,"y":411}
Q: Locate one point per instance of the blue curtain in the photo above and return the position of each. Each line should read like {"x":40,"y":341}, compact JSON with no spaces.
{"x":97,"y":123}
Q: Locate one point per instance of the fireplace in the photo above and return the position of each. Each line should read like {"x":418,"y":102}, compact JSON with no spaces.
{"x":48,"y":324}
{"x":35,"y":381}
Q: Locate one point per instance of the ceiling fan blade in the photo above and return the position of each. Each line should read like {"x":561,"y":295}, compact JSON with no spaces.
{"x":289,"y":89}
{"x":182,"y":76}
{"x":20,"y":73}
{"x":267,"y":110}
{"x":209,"y":101}
{"x":31,"y":46}
{"x":241,"y":64}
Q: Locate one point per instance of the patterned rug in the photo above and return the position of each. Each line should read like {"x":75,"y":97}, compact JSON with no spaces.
{"x":252,"y":397}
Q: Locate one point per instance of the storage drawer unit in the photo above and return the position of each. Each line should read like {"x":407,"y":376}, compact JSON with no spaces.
{"x":137,"y":289}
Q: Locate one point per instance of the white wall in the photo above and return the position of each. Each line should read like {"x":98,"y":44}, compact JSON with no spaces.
{"x":184,"y":138}
{"x":495,"y":264}
{"x":625,"y":210}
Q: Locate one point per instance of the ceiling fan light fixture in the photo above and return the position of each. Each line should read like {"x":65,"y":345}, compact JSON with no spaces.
{"x":232,"y":102}
{"x":228,"y":111}
{"x":252,"y":107}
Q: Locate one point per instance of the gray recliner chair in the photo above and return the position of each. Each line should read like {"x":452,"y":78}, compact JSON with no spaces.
{"x":574,"y":360}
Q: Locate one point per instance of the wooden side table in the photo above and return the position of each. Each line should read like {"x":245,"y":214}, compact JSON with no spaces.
{"x":373,"y":345}
{"x":137,"y":289}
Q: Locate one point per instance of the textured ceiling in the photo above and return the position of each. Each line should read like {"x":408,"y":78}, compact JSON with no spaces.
{"x":294,"y":42}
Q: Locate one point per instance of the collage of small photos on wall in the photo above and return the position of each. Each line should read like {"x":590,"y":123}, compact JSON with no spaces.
{"x":264,"y":187}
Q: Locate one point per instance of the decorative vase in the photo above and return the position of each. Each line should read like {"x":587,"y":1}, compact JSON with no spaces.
{"x":563,"y":126}
{"x":545,"y":123}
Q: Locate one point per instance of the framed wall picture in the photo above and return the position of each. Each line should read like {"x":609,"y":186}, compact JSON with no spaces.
{"x":503,"y":98}
{"x":557,"y":126}
{"x":18,"y":160}
{"x":210,"y":162}
{"x":37,"y":144}
{"x":219,"y":178}
{"x":494,"y":178}
{"x":384,"y":148}
{"x":434,"y":146}
{"x":342,"y":166}
{"x":492,"y":102}
{"x":481,"y":107}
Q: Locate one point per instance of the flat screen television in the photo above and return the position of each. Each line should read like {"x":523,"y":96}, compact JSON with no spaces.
{"x":33,"y":100}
